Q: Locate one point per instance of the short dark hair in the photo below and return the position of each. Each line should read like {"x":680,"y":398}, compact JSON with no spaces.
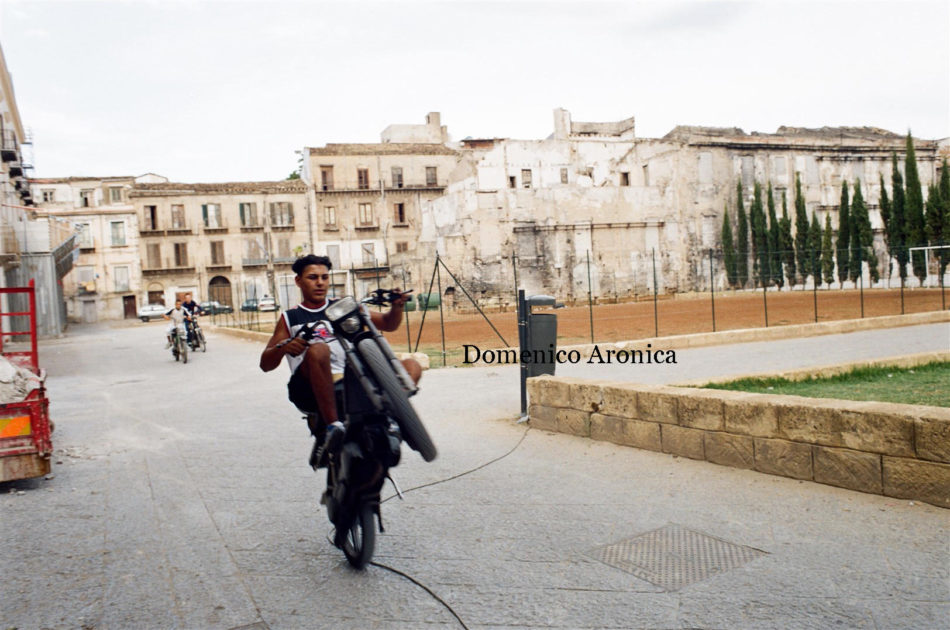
{"x":310,"y":259}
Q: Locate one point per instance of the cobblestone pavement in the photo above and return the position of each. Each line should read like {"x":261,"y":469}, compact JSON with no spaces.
{"x":181,"y":498}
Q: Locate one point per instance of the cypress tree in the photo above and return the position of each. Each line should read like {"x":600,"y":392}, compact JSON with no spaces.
{"x":896,"y":227}
{"x":885,"y":209}
{"x":786,"y":244}
{"x":827,"y":253}
{"x":844,"y":235}
{"x":760,"y":237}
{"x":944,"y":188}
{"x":728,"y":249}
{"x":862,"y":238}
{"x":801,"y":229}
{"x":935,"y":221}
{"x":814,"y":248}
{"x":914,"y":207}
{"x":742,"y":239}
{"x":775,"y":254}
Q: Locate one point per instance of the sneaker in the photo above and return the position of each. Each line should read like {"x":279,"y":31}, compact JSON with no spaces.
{"x":331,"y":443}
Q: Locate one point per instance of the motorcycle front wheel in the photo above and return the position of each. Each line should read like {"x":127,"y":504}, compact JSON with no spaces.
{"x":183,"y":349}
{"x":411,"y":426}
{"x":359,"y":541}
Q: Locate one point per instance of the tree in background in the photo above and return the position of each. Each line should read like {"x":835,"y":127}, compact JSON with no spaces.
{"x":885,"y":209}
{"x":729,"y":249}
{"x":814,"y":248}
{"x":944,"y":190}
{"x":934,"y":219}
{"x":801,"y":229}
{"x":760,"y":237}
{"x":742,"y":239}
{"x":827,"y":253}
{"x":775,"y":254}
{"x":786,"y":244}
{"x":844,"y":235}
{"x":914,"y":209}
{"x":862,"y":237}
{"x":896,"y":228}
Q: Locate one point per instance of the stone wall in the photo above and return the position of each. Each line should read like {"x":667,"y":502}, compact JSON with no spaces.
{"x":900,"y":451}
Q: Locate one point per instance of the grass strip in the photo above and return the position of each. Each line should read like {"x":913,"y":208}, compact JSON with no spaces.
{"x":927,"y":384}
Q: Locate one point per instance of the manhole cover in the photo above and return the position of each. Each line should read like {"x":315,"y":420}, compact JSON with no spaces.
{"x":672,"y":557}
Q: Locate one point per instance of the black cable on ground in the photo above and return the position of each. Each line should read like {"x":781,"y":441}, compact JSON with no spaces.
{"x":423,"y":587}
{"x":467,"y":472}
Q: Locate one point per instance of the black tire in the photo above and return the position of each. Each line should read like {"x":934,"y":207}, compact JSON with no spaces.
{"x":144,"y":319}
{"x":413,"y":431}
{"x":183,"y":349}
{"x":360,"y":541}
{"x":201,"y":340}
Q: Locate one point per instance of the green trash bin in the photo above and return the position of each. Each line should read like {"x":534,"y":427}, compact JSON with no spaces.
{"x":542,"y":336}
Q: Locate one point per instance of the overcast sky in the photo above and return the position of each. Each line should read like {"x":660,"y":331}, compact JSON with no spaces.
{"x":218,"y":91}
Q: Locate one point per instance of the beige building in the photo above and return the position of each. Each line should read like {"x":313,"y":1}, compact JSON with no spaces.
{"x":596,"y":190}
{"x":367,"y":201}
{"x":226,"y":242}
{"x":106,"y":279}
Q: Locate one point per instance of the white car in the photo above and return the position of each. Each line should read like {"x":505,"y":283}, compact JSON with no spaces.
{"x":151,"y":311}
{"x":267,"y":303}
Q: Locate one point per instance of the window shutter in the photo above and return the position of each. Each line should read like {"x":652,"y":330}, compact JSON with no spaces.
{"x":204,"y":213}
{"x":243,"y":220}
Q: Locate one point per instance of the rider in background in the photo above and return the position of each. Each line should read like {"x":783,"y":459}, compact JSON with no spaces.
{"x":315,"y":366}
{"x":177,"y":316}
{"x":193,"y":311}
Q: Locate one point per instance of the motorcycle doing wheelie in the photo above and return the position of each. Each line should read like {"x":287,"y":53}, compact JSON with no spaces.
{"x":378,"y":417}
{"x":179,"y":343}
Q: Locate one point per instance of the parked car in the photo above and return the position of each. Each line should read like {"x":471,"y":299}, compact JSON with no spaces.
{"x":249,"y":305}
{"x":151,"y":311}
{"x":267,"y":303}
{"x":215,"y":308}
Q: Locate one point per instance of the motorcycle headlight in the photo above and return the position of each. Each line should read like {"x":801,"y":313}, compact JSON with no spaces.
{"x":351,"y":324}
{"x":341,"y":308}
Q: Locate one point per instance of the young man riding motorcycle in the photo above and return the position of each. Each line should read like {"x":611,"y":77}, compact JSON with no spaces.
{"x":316,"y":365}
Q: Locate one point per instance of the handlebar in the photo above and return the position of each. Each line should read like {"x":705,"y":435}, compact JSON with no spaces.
{"x":383,"y":297}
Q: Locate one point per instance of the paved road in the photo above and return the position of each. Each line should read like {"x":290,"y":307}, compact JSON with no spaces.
{"x":181,"y":499}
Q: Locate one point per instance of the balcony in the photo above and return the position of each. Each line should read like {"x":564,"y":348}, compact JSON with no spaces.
{"x":252,"y":228}
{"x":16,"y":170}
{"x":168,"y":271}
{"x":87,"y":288}
{"x":367,"y":227}
{"x":179,"y":230}
{"x":149,"y":231}
{"x":282,"y":228}
{"x":217,"y":267}
{"x":9,"y":148}
{"x":253,"y":262}
{"x":214,"y":229}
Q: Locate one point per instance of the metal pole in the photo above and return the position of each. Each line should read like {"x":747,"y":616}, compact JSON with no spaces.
{"x":861,"y":288}
{"x":408,"y":336}
{"x":902,"y":291}
{"x":712,"y":290}
{"x":472,"y":300}
{"x":814,"y":289}
{"x":441,"y":316}
{"x":426,"y":307}
{"x":765,"y":300}
{"x":522,"y":344}
{"x":514,"y":266}
{"x":656,"y":321}
{"x":590,"y":298}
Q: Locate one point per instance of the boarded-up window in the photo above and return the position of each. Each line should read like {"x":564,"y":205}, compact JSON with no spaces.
{"x":85,"y":236}
{"x":811,"y":171}
{"x":401,"y":247}
{"x":217,"y":252}
{"x":362,"y":178}
{"x":333,"y":253}
{"x":646,"y":174}
{"x":563,"y":175}
{"x":432,"y":178}
{"x":283,"y":248}
{"x":705,"y":167}
{"x":121,"y":275}
{"x":748,"y":171}
{"x":154,"y":256}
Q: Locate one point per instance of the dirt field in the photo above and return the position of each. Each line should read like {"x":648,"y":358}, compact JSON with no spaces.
{"x":675,"y":316}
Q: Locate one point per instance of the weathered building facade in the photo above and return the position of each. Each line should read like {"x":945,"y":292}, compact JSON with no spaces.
{"x":226,"y":242}
{"x":367,"y":202}
{"x":594,"y":190}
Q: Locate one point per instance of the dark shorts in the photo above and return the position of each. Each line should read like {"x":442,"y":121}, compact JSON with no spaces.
{"x":301,"y":395}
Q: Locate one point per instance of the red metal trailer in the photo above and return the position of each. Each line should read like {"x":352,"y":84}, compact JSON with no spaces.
{"x":25,"y":427}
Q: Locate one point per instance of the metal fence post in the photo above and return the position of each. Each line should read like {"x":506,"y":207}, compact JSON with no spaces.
{"x":441,"y":316}
{"x":712,"y":290}
{"x":590,"y":298}
{"x":522,"y":343}
{"x":656,"y":322}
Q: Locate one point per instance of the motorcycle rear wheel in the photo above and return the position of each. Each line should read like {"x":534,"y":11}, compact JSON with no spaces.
{"x":411,"y":426}
{"x":359,"y":541}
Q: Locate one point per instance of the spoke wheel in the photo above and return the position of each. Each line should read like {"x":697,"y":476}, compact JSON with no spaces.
{"x":360,"y":540}
{"x":183,"y":349}
{"x":398,"y":403}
